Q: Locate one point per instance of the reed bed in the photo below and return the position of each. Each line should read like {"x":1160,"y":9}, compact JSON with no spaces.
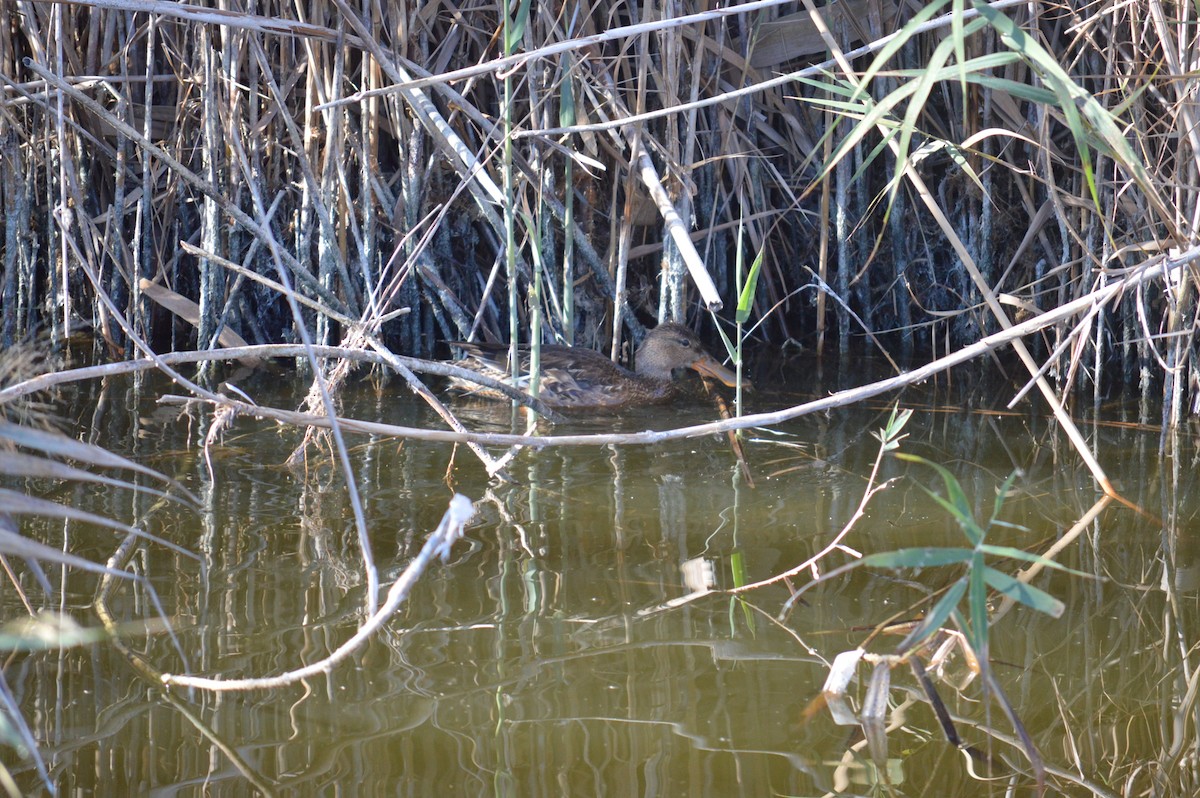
{"x":914,"y":178}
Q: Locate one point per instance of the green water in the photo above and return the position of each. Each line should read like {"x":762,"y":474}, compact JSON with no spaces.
{"x":551,"y":656}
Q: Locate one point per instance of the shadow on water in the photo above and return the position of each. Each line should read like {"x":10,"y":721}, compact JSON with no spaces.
{"x":553,"y":655}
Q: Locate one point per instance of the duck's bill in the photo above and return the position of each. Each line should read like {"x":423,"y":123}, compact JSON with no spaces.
{"x":709,"y":367}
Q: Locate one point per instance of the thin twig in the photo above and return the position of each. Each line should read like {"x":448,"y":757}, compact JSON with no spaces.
{"x":449,"y":530}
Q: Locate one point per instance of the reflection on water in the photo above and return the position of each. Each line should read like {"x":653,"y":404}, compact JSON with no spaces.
{"x":547,"y":658}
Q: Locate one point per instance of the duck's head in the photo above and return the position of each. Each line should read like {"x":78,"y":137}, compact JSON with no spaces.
{"x":672,"y":346}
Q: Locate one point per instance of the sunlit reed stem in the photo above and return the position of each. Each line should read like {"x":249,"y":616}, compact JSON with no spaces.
{"x":535,"y":328}
{"x":535,"y":291}
{"x":510,"y":237}
{"x":738,"y":280}
{"x":210,"y":238}
{"x":566,"y":118}
{"x":737,"y":362}
{"x":739,"y":332}
{"x":141,"y":251}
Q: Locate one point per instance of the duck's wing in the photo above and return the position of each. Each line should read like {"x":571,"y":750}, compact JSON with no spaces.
{"x":573,"y":377}
{"x":569,"y":378}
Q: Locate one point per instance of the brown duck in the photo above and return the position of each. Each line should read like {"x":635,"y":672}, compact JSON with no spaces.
{"x":573,"y":377}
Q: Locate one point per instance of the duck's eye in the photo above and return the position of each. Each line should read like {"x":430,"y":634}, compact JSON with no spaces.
{"x":685,"y":342}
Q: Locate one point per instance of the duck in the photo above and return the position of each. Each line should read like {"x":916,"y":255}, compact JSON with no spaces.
{"x":574,"y":377}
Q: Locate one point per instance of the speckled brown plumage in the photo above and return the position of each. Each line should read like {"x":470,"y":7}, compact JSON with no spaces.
{"x":572,"y":377}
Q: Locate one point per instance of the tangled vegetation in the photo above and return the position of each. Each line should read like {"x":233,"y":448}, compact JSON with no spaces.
{"x":192,"y":178}
{"x":930,"y":183}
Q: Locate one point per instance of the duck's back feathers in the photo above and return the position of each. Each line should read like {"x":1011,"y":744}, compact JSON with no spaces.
{"x":573,"y":377}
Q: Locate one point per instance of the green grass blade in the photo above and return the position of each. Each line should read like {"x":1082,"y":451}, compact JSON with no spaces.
{"x":936,"y":618}
{"x":903,"y":37}
{"x":871,"y":119}
{"x":1028,"y":595}
{"x":1022,"y":91}
{"x":959,"y":37}
{"x":1075,"y":102}
{"x":830,"y":84}
{"x":977,"y":633}
{"x":892,"y":432}
{"x":956,"y":504}
{"x":1021,"y":554}
{"x":1001,"y":495}
{"x":566,"y":98}
{"x":922,"y":87}
{"x":516,"y":28}
{"x":746,"y":300}
{"x":922,"y":557}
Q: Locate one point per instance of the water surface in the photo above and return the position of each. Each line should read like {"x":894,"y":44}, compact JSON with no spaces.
{"x":554,"y":654}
